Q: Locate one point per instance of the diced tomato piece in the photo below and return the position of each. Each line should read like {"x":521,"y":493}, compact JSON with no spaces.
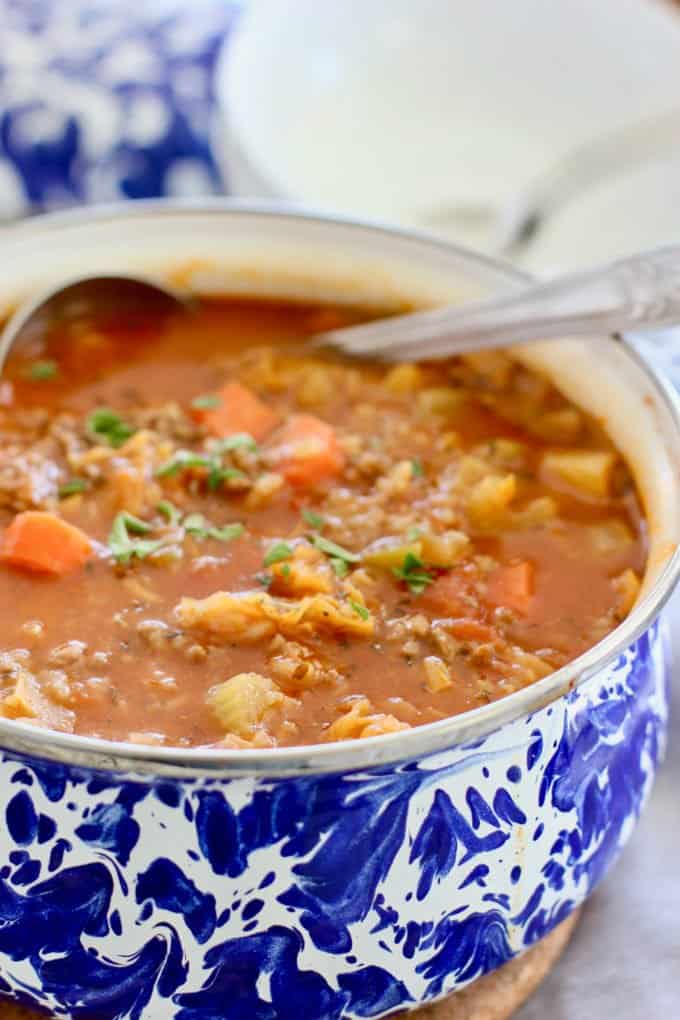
{"x":43,"y":542}
{"x":450,"y":595}
{"x":238,"y":410}
{"x":309,"y":451}
{"x":512,"y":586}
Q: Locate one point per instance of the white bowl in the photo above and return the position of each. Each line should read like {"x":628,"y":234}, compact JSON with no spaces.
{"x":395,"y":109}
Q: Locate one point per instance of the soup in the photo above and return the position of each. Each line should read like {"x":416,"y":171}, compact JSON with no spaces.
{"x":214,"y":536}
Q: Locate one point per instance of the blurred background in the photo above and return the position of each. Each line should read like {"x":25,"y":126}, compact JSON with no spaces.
{"x":546,"y":131}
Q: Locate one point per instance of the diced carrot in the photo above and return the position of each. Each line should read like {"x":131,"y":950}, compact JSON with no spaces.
{"x":309,"y":451}
{"x":472,"y":630}
{"x":238,"y":410}
{"x":450,"y":595}
{"x":42,"y":542}
{"x":512,"y":586}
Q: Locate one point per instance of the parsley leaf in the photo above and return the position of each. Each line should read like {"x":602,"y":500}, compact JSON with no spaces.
{"x":106,"y":424}
{"x":218,"y":475}
{"x":121,"y":543}
{"x":199,"y":527}
{"x":238,"y":441}
{"x":228,"y":532}
{"x":134,"y":524}
{"x":362,"y":611}
{"x":183,"y":460}
{"x":416,"y":468}
{"x":339,"y":567}
{"x":413,"y":573}
{"x":278,"y":552}
{"x":196,"y":524}
{"x":313,"y":519}
{"x":41,"y":371}
{"x":413,"y":533}
{"x":329,"y":548}
{"x":285,"y":570}
{"x":169,"y":511}
{"x":206,"y":401}
{"x":125,"y":525}
{"x":264,"y":579}
{"x":72,"y":486}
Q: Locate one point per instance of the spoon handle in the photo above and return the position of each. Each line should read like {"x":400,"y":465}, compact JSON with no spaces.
{"x":630,"y":294}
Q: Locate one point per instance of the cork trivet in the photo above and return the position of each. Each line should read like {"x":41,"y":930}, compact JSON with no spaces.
{"x":494,"y":997}
{"x":497,"y":996}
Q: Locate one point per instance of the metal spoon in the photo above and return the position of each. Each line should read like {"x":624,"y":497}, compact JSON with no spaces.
{"x":635,"y":293}
{"x":509,"y":228}
{"x":85,"y":294}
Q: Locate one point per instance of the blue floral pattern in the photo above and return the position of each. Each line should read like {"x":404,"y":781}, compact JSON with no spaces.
{"x":102,"y":101}
{"x":325,"y":896}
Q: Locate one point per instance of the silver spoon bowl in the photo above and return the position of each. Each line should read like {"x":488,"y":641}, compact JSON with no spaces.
{"x":86,"y":294}
{"x":640,"y":292}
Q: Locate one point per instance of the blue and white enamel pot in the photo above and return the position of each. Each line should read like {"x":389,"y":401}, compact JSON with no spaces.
{"x":346,"y":880}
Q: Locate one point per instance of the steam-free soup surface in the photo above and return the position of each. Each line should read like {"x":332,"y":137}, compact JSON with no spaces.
{"x":212,"y":536}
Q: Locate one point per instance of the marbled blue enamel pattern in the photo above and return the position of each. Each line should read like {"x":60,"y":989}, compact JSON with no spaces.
{"x":326,"y":896}
{"x":101,"y":101}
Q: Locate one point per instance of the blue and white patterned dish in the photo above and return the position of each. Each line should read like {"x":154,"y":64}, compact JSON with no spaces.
{"x":342,"y":895}
{"x":351,"y":880}
{"x":101,"y":101}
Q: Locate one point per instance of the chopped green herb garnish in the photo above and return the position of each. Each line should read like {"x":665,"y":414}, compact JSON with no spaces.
{"x":72,"y":486}
{"x":121,"y":543}
{"x":413,"y":533}
{"x":196,"y":524}
{"x":264,"y":579}
{"x":329,"y":548}
{"x":414,"y":574}
{"x":206,"y":401}
{"x":215,"y":477}
{"x":278,"y":552}
{"x":416,"y":468}
{"x":313,"y":519}
{"x":135,"y":524}
{"x":339,"y":567}
{"x":285,"y":570}
{"x":218,"y":475}
{"x":182,"y":461}
{"x":185,"y":459}
{"x":169,"y":511}
{"x":106,"y":424}
{"x":238,"y":441}
{"x":199,"y":527}
{"x":361,"y":610}
{"x":41,"y":371}
{"x":228,"y":532}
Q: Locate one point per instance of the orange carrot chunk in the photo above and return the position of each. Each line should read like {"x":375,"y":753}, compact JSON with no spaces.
{"x":236,"y":409}
{"x":43,"y":542}
{"x":473,"y":630}
{"x":450,"y":595}
{"x":309,"y":451}
{"x":512,"y":586}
